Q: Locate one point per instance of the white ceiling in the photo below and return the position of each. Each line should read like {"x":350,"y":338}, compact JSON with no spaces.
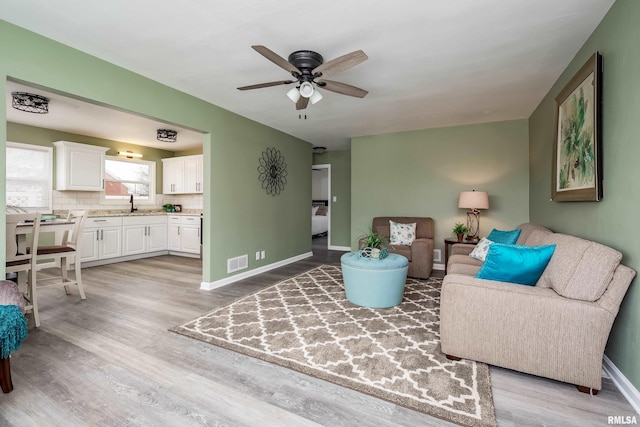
{"x":431,"y":63}
{"x":85,"y":118}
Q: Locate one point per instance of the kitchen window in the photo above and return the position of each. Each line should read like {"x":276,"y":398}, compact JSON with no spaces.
{"x":126,"y":177}
{"x":29,"y":177}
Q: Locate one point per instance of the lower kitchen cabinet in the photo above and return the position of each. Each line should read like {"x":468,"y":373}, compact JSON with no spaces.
{"x":184,"y":234}
{"x":144,"y":234}
{"x":101,"y":239}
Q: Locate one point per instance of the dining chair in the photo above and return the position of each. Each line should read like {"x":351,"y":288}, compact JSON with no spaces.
{"x":21,"y":256}
{"x":67,"y":253}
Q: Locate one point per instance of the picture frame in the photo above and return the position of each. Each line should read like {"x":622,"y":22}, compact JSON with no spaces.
{"x":177,"y":208}
{"x":577,"y":150}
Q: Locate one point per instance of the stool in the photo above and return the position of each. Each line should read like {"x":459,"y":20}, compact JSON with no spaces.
{"x":374,"y":283}
{"x":13,"y":328}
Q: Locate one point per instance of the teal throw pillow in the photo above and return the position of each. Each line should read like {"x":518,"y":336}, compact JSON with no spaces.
{"x":515,"y":263}
{"x":506,"y":237}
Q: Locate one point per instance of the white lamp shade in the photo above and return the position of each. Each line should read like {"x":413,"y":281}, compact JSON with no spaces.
{"x":306,"y":89}
{"x":317,"y":96}
{"x":294,"y":94}
{"x":474,"y":200}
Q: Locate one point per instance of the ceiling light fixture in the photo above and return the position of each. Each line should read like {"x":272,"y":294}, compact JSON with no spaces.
{"x":315,"y":97}
{"x":167,"y":135}
{"x":319,"y":149}
{"x":30,"y":102}
{"x":294,"y":94}
{"x":129,"y":154}
{"x":306,"y":90}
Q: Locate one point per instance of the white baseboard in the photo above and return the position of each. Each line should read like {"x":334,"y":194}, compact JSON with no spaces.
{"x":340,"y":248}
{"x":624,"y":385}
{"x":438,"y":267}
{"x":208,"y":286}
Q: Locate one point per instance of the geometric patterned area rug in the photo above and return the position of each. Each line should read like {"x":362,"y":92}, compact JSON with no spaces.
{"x":305,"y":323}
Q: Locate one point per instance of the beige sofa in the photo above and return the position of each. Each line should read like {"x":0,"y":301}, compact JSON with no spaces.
{"x":420,"y":253}
{"x":557,"y":329}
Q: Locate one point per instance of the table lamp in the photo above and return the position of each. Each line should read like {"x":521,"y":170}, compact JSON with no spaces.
{"x":473,"y":200}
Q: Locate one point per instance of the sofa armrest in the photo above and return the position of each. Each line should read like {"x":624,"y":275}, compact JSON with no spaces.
{"x":525,"y":328}
{"x":422,"y":257}
{"x":461,"y":249}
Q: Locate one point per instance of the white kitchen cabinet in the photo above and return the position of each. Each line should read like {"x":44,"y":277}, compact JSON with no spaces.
{"x":101,"y":239}
{"x":182,"y":175}
{"x":143,"y":234}
{"x":193,"y":174}
{"x":79,"y":167}
{"x":184,"y":233}
{"x":172,"y":176}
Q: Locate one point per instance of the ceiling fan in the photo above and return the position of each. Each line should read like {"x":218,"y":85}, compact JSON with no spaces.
{"x":309,"y":71}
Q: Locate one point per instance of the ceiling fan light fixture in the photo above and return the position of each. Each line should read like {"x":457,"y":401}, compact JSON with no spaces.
{"x":306,"y":90}
{"x":315,"y":97}
{"x":294,"y":94}
{"x":167,"y":135}
{"x":30,"y":102}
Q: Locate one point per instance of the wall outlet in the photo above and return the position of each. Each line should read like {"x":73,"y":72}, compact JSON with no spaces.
{"x":257,"y":255}
{"x":262,"y":254}
{"x":437,"y":255}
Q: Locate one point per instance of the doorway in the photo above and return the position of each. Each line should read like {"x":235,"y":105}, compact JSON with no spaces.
{"x":321,"y":206}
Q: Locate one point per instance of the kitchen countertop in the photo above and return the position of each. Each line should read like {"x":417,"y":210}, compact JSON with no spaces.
{"x":141,"y":212}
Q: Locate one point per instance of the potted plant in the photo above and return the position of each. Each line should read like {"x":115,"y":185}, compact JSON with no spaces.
{"x":460,"y":230}
{"x":168,"y":207}
{"x":373,"y":245}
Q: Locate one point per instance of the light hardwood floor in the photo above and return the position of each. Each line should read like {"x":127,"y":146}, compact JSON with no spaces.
{"x":110,"y":360}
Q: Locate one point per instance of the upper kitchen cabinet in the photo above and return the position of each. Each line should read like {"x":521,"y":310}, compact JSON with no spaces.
{"x":79,"y":167}
{"x":182,"y":175}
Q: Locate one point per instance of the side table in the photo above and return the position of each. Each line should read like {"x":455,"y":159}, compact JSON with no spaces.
{"x":450,"y":241}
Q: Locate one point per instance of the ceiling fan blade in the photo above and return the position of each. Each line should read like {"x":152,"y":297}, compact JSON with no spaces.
{"x":276,"y":59}
{"x":342,"y":88}
{"x":341,"y":63}
{"x":302,"y":103}
{"x":261,"y":85}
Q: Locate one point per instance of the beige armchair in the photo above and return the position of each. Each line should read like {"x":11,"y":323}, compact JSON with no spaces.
{"x":420,"y":253}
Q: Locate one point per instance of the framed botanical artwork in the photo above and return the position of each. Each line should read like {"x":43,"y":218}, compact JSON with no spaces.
{"x":577,"y":153}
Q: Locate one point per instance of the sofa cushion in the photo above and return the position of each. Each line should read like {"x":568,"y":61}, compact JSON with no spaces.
{"x":515,"y":263}
{"x":481,"y":249}
{"x":402,"y":234}
{"x":506,"y":237}
{"x":463,"y":259}
{"x":579,"y":269}
{"x":527,"y":230}
{"x":464,"y":269}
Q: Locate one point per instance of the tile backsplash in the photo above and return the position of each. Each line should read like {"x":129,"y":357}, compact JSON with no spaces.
{"x":91,"y":200}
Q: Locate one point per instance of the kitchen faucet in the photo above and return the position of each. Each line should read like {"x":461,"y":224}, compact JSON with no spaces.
{"x":131,"y":201}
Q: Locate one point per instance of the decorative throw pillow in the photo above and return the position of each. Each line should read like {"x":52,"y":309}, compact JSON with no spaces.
{"x":481,"y":249}
{"x":402,"y":234}
{"x":322,"y":211}
{"x":506,"y":237}
{"x":314,"y":209}
{"x":515,"y":263}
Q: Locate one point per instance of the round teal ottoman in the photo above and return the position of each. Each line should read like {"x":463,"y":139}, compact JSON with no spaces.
{"x":374,"y":283}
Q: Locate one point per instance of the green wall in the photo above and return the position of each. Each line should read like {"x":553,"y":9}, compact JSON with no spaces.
{"x":45,"y":137}
{"x":232,"y":145}
{"x":613,"y":220}
{"x":340,"y":162}
{"x":421,"y":173}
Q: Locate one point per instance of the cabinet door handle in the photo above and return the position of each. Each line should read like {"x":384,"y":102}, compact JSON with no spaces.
{"x":178,"y":230}
{"x":101,"y":234}
{"x":97,"y":234}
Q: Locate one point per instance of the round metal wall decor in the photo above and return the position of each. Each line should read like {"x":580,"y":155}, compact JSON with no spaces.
{"x":273,"y":171}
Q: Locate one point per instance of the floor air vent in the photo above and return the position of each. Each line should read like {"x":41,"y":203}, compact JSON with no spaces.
{"x":237,"y":263}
